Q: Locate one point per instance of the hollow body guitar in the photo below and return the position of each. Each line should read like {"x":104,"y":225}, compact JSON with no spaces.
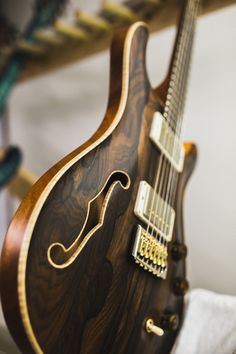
{"x":94,"y":259}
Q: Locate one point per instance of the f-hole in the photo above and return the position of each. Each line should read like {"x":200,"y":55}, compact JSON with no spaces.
{"x":61,"y":257}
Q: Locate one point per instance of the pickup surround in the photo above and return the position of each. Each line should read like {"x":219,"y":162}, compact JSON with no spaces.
{"x":167,"y":141}
{"x":154,"y":211}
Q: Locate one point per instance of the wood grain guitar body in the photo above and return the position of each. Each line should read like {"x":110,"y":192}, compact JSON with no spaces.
{"x":69,"y":283}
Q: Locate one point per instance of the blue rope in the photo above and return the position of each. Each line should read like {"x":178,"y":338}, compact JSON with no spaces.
{"x":9,"y":165}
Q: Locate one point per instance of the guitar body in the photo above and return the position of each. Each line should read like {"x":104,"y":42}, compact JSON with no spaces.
{"x":69,"y":283}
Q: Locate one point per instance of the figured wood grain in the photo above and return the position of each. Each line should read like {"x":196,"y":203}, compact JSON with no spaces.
{"x":99,"y":304}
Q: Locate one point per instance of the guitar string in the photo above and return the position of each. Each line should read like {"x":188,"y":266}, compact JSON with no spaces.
{"x":173,"y":93}
{"x":181,"y":45}
{"x":173,"y":191}
{"x":185,"y":82}
{"x":183,"y":32}
{"x":184,"y":51}
{"x":179,"y":79}
{"x":162,"y":184}
{"x":172,"y":188}
{"x":173,"y":177}
{"x":156,"y":182}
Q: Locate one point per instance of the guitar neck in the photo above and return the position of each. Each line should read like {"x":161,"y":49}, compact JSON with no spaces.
{"x":179,"y":67}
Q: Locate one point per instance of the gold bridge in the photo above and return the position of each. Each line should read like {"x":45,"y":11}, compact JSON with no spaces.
{"x":150,"y":253}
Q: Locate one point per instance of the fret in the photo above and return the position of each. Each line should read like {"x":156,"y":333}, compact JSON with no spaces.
{"x":179,"y":68}
{"x":177,"y":77}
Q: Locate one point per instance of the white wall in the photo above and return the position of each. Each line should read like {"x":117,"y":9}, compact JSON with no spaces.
{"x":51,"y":116}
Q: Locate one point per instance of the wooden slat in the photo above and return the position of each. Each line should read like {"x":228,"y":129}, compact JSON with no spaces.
{"x":70,"y":51}
{"x":21,"y":184}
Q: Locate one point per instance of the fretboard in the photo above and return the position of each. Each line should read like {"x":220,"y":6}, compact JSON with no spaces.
{"x":179,"y":68}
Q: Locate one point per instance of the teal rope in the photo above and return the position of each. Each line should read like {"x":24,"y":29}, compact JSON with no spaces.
{"x":44,"y":16}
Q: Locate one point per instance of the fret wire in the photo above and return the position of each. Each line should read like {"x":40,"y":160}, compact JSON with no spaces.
{"x":181,"y":80}
{"x":175,"y":95}
{"x":174,"y":175}
{"x":180,"y":44}
{"x":177,"y":86}
{"x":185,"y":61}
{"x":174,"y":102}
{"x":182,"y":47}
{"x":174,"y":80}
{"x":175,"y":179}
{"x":184,"y":91}
{"x":185,"y":80}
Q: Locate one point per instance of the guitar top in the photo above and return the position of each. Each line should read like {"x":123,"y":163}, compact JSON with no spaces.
{"x":94,"y":259}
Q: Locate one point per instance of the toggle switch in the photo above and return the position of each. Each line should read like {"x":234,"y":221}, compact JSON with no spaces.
{"x":151,"y":328}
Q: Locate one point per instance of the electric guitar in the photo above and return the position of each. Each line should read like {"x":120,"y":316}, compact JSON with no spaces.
{"x":94,"y":259}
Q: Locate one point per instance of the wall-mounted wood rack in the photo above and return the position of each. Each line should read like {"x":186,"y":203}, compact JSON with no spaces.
{"x":65,"y":43}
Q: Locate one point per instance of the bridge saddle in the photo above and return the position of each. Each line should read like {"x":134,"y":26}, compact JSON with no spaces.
{"x":150,"y":253}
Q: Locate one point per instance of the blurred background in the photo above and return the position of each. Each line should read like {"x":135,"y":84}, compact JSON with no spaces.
{"x":53,"y":114}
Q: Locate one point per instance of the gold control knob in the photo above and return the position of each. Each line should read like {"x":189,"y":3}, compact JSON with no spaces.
{"x":178,"y":251}
{"x":151,"y":328}
{"x":170,"y":321}
{"x":180,"y":286}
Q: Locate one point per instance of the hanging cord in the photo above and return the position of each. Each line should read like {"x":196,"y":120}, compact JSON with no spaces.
{"x":45,"y":12}
{"x":9,"y":164}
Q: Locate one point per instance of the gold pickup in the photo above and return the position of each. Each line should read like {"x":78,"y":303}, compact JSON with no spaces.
{"x":154,"y":211}
{"x":167,"y":141}
{"x":150,"y":253}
